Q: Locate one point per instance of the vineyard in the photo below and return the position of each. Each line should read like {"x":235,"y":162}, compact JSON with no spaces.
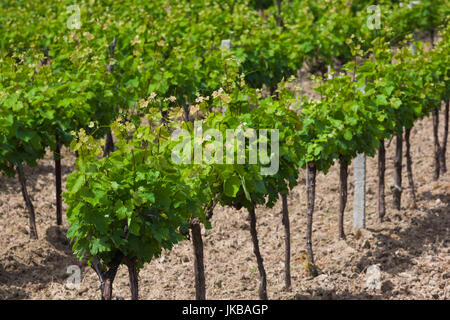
{"x":229,"y":149}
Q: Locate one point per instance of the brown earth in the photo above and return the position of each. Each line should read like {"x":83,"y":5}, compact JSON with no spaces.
{"x":411,"y":247}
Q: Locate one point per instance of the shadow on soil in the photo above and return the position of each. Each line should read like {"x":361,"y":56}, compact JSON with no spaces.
{"x":396,"y":255}
{"x":52,"y":266}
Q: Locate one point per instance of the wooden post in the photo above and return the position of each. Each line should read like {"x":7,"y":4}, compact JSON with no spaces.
{"x":287,"y":242}
{"x":109,"y":142}
{"x":28,"y":203}
{"x":226,"y":47}
{"x":57,"y":159}
{"x":411,"y":45}
{"x":259,"y":260}
{"x":359,"y":200}
{"x":199,"y":267}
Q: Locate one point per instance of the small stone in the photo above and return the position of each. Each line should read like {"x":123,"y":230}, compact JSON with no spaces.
{"x":359,"y":198}
{"x":373,"y":277}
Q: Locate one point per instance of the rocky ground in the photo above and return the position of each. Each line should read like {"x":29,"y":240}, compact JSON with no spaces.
{"x":411,"y":247}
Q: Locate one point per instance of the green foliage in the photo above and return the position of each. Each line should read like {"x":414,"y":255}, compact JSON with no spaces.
{"x":167,"y":62}
{"x":134,"y":201}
